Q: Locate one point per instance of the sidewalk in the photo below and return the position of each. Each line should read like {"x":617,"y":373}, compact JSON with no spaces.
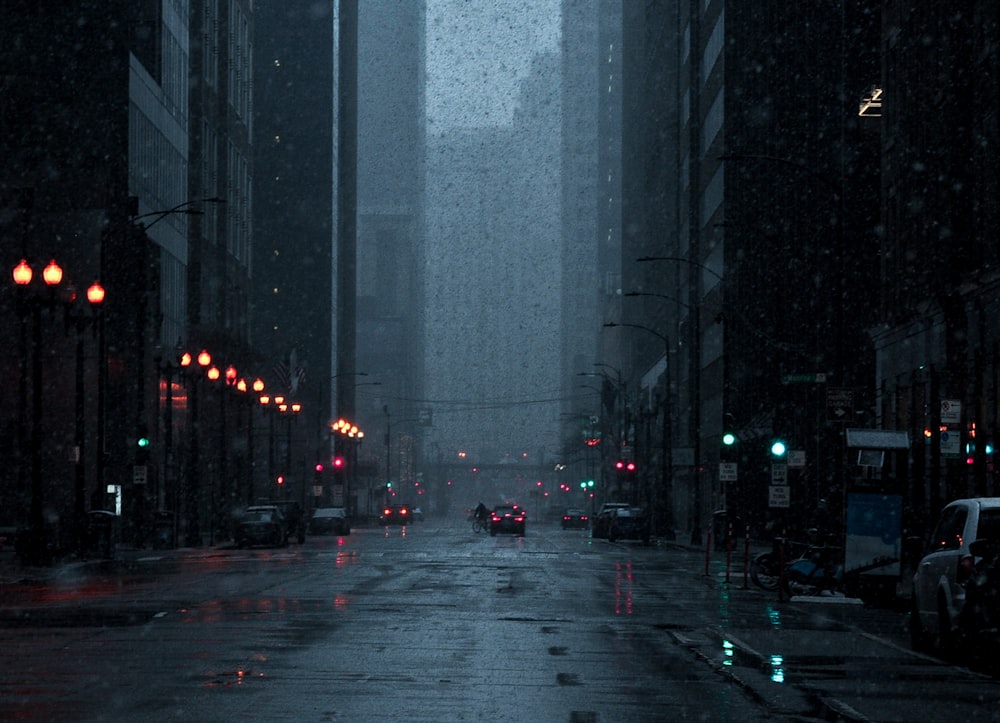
{"x":13,"y":572}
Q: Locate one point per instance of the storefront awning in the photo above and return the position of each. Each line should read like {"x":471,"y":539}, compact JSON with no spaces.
{"x":877,"y":439}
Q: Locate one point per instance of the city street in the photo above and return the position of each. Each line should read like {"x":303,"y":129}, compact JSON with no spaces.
{"x":433,"y":622}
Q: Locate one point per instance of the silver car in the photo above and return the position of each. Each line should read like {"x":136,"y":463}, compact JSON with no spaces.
{"x":938,"y":584}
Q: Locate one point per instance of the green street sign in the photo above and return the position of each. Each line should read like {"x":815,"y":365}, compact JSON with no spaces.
{"x":817,"y":378}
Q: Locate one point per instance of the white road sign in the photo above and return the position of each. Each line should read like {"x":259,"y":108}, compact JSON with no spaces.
{"x":779,"y":496}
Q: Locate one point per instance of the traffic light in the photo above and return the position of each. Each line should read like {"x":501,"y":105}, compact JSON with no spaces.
{"x":778,"y":448}
{"x":281,"y":480}
{"x":338,"y":463}
{"x":729,"y":439}
{"x":625,"y":469}
{"x":142,"y":448}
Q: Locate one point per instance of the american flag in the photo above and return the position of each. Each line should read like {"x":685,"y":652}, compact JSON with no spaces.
{"x":290,"y":375}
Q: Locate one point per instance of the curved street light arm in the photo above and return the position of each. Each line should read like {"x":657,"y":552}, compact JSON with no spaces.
{"x":179,"y":208}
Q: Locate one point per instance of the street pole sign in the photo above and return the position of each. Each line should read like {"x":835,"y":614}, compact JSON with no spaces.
{"x":814,"y":378}
{"x":779,"y":496}
{"x":728,"y":472}
{"x":839,"y":404}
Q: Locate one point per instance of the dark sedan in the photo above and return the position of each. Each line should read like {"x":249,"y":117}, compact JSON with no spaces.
{"x":261,"y":526}
{"x":629,"y":523}
{"x":329,"y":521}
{"x":575,"y":519}
{"x":507,"y":518}
{"x":395,"y":515}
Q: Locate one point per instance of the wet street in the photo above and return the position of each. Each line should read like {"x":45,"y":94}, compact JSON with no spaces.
{"x":432,"y":622}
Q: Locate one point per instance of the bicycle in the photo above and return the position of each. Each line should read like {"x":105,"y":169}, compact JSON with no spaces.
{"x":479,"y":525}
{"x":808,"y":569}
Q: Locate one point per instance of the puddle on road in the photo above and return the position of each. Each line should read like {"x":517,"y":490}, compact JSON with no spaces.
{"x":800,"y":669}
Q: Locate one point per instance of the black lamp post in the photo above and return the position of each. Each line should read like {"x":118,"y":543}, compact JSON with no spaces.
{"x":192,"y":491}
{"x":95,"y":296}
{"x":666,"y":460}
{"x":169,"y":486}
{"x":290,"y":411}
{"x":257,"y":387}
{"x":35,"y":548}
{"x":388,"y":452}
{"x":346,"y":432}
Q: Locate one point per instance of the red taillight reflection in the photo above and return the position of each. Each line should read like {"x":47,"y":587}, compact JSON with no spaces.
{"x":966,"y":568}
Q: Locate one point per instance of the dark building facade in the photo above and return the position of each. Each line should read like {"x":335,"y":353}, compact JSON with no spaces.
{"x":831,"y":265}
{"x":936,"y":345}
{"x":755,"y":288}
{"x":102,"y":176}
{"x":294,"y":232}
{"x":390,"y":383}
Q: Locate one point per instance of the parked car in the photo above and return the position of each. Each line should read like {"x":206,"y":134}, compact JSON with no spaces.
{"x":601,"y":523}
{"x":939,"y":584}
{"x":629,"y":523}
{"x":261,"y":525}
{"x":507,"y":518}
{"x":329,"y":521}
{"x":295,"y":518}
{"x":574,"y":518}
{"x":395,"y":515}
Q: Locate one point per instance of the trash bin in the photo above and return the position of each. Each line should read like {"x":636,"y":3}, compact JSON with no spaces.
{"x":720,"y":528}
{"x":102,"y":533}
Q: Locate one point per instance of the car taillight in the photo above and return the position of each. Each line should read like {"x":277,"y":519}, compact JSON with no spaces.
{"x":496,"y":518}
{"x":403,"y":511}
{"x":584,"y":518}
{"x":966,"y":568}
{"x":387,"y":511}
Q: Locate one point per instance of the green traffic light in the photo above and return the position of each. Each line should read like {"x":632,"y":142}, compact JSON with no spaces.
{"x":143,"y":442}
{"x":778,"y":448}
{"x":729,"y":439}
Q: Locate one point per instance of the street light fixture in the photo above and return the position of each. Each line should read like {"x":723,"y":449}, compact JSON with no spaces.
{"x":666,"y":461}
{"x":193,"y":489}
{"x":36,"y":548}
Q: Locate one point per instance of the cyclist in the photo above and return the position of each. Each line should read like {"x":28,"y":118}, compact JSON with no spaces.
{"x":481,"y":512}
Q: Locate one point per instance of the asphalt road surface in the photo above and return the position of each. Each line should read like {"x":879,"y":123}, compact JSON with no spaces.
{"x":432,"y":622}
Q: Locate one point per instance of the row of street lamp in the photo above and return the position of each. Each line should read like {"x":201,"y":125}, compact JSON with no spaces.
{"x":36,"y":546}
{"x":198,"y":367}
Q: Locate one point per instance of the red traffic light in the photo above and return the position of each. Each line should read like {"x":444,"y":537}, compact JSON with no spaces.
{"x":630,"y":467}
{"x":319,"y":467}
{"x":338,"y":462}
{"x":281,"y":479}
